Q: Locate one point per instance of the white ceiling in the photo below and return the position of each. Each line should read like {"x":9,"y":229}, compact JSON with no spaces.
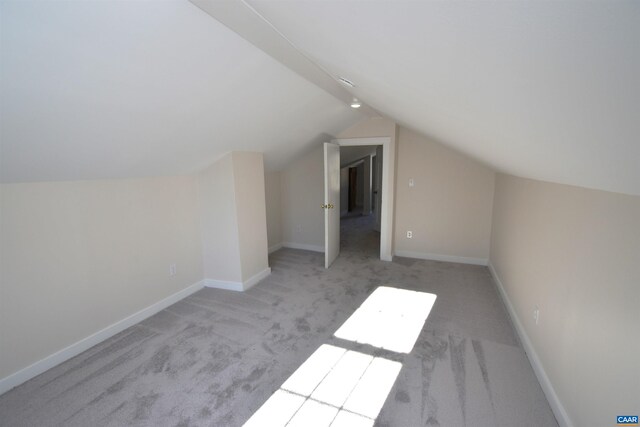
{"x":113,"y":89}
{"x":546,"y":90}
{"x":351,"y":154}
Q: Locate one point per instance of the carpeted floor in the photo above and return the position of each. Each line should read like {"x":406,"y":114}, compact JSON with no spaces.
{"x":215,"y":357}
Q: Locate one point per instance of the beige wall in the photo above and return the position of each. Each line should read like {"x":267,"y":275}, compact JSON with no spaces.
{"x":219,"y":222}
{"x":574,"y":253}
{"x":80,"y":256}
{"x":369,"y":128}
{"x":233,"y":218}
{"x":248,"y":174}
{"x":302,"y":195}
{"x":448,"y":209}
{"x":272,"y":185}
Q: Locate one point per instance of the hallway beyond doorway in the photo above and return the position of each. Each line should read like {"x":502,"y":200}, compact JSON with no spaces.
{"x":357,"y":234}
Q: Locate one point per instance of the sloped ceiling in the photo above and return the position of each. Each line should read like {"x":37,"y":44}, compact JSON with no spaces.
{"x":114,"y":89}
{"x":545,"y":90}
{"x":350,"y":154}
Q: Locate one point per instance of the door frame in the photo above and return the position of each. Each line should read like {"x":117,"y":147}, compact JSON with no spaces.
{"x":388,"y":187}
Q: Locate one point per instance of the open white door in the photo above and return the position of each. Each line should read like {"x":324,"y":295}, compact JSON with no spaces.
{"x":331,"y":204}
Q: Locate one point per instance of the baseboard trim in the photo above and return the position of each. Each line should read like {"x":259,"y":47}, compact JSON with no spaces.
{"x":84,"y":344}
{"x":274,"y":248}
{"x":223,"y":284}
{"x":562,"y":416}
{"x":237,"y":286}
{"x":314,"y":248}
{"x":254,"y":280}
{"x":445,"y":258}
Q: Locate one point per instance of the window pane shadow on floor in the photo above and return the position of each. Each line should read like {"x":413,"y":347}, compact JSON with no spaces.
{"x":339,"y":387}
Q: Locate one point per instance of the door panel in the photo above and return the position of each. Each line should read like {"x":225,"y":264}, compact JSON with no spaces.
{"x":331,"y":203}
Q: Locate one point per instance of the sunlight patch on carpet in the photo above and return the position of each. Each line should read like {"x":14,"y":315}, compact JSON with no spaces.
{"x":390,"y":318}
{"x":338,"y":387}
{"x":333,"y":387}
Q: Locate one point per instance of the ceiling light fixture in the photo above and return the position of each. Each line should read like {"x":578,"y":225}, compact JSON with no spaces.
{"x":346,"y":82}
{"x":355,"y":103}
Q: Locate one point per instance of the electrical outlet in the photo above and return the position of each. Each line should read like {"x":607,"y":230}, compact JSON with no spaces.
{"x":536,"y":314}
{"x":298,"y":228}
{"x":409,"y":234}
{"x":172,"y":270}
{"x":411,"y":182}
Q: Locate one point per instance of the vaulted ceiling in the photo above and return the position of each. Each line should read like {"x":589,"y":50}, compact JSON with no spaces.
{"x":118,"y":89}
{"x":546,"y":90}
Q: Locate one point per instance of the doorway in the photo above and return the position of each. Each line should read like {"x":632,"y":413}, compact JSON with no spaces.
{"x":377,"y":201}
{"x":352,"y":187}
{"x":358,"y":234}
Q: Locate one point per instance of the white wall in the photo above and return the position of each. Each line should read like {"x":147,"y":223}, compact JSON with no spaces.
{"x":219,"y":222}
{"x":574,"y":253}
{"x":351,"y":154}
{"x":302,"y":196}
{"x":81,"y":260}
{"x":79,"y":256}
{"x":273,"y":192}
{"x":248,"y":174}
{"x":448,"y":209}
{"x":369,"y":128}
{"x":233,"y":220}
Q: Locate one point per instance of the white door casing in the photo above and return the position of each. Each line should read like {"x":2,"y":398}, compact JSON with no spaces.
{"x":386,"y":190}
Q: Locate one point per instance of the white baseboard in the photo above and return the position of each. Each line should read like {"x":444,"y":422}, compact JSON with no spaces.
{"x":252,"y":281}
{"x":314,"y":248}
{"x":78,"y":347}
{"x":439,"y":257}
{"x":237,"y":286}
{"x":274,"y":248}
{"x":562,"y":416}
{"x":223,"y":284}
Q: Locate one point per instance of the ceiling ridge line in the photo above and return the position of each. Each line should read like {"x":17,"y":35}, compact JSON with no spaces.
{"x":233,"y":14}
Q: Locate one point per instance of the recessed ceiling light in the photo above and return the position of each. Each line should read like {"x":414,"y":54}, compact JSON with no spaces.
{"x":355,"y":103}
{"x":346,"y":82}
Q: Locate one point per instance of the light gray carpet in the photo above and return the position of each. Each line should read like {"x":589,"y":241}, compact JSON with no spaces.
{"x":215,"y":357}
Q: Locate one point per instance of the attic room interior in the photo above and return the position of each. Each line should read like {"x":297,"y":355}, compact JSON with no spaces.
{"x":319,"y":213}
